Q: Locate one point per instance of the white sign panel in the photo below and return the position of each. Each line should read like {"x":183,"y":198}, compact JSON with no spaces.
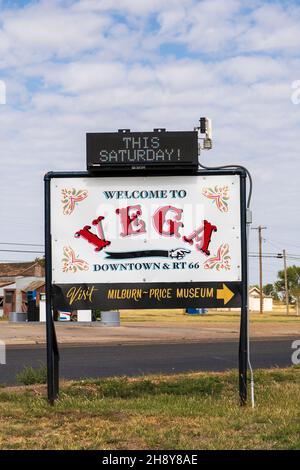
{"x":143,"y":230}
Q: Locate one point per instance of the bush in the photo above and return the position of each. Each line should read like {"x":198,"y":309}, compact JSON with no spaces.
{"x":30,"y":376}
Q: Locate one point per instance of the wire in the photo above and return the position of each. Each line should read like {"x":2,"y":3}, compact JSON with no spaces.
{"x":276,"y":243}
{"x":12,"y":261}
{"x":290,"y":258}
{"x":21,"y":244}
{"x":273,"y":244}
{"x":232,"y":167}
{"x":264,"y":256}
{"x":22,"y":251}
{"x":252,"y":385}
{"x":248,"y":225}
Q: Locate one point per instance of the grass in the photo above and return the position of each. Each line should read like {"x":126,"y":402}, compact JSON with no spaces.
{"x":30,"y":376}
{"x":213,"y":316}
{"x":185,"y":411}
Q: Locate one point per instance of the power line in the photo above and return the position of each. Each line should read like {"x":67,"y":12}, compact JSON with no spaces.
{"x":296,"y":258}
{"x":23,"y":251}
{"x":20,"y":244}
{"x":13,"y":261}
{"x":276,"y":245}
{"x":266,"y":253}
{"x":274,"y":242}
{"x":265,"y":256}
{"x":275,"y":255}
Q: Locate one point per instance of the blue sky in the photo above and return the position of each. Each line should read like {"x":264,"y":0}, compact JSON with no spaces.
{"x":72,"y":67}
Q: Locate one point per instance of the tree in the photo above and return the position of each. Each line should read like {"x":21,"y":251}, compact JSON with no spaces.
{"x":269,"y":289}
{"x":40,"y":261}
{"x":293,"y":281}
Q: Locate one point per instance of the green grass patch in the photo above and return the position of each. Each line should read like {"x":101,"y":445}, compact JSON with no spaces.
{"x":213,"y":316}
{"x":184,"y":411}
{"x":129,"y":388}
{"x":30,"y":376}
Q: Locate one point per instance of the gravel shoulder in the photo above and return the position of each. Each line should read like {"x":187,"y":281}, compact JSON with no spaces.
{"x":144,"y":332}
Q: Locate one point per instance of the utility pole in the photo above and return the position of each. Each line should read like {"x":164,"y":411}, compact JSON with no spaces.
{"x":286,"y":283}
{"x":261,"y":303}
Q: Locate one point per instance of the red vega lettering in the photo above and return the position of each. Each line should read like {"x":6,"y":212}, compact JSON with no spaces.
{"x":132,"y":224}
{"x":130,"y":221}
{"x":160,"y":221}
{"x":98,"y":242}
{"x":202,"y":235}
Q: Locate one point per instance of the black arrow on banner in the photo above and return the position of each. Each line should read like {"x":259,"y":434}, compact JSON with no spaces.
{"x":179,"y":253}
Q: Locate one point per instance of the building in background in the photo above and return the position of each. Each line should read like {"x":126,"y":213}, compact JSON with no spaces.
{"x":254,"y":301}
{"x":7,"y":289}
{"x":16,"y":279}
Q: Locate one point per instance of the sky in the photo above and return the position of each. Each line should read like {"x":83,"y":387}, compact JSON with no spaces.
{"x":71,"y":67}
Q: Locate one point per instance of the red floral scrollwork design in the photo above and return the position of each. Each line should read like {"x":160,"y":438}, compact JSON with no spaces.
{"x":219,"y":195}
{"x":222,"y":260}
{"x":71,"y":263}
{"x":70,"y":197}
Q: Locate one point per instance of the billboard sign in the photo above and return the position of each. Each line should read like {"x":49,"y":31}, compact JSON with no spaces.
{"x":146,"y":242}
{"x":141,"y":149}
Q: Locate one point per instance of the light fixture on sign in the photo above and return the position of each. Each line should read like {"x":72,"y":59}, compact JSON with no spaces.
{"x":206,"y":129}
{"x":207,"y":144}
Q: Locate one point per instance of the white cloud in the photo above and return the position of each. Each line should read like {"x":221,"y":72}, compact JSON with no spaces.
{"x":275,"y":27}
{"x":47,"y":29}
{"x":132,"y":7}
{"x":73,"y":67}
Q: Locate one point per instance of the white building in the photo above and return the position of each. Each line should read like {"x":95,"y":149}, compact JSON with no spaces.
{"x":254,"y":301}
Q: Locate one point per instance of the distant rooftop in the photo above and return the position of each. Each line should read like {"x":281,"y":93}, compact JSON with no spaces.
{"x":29,"y":268}
{"x":6,"y":283}
{"x":34,"y":285}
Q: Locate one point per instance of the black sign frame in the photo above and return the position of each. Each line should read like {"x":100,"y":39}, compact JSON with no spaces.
{"x":52,"y":346}
{"x":157,"y":149}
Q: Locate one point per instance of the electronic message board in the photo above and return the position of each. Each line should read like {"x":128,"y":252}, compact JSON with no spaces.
{"x":146,"y":241}
{"x":142,"y":149}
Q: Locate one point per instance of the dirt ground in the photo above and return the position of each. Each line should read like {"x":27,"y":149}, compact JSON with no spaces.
{"x":155,"y":326}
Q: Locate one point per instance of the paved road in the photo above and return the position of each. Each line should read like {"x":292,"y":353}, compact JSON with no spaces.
{"x":103,"y":361}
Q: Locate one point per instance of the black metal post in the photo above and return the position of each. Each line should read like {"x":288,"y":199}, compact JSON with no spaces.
{"x":243,"y":344}
{"x":56,"y":363}
{"x":52,"y":347}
